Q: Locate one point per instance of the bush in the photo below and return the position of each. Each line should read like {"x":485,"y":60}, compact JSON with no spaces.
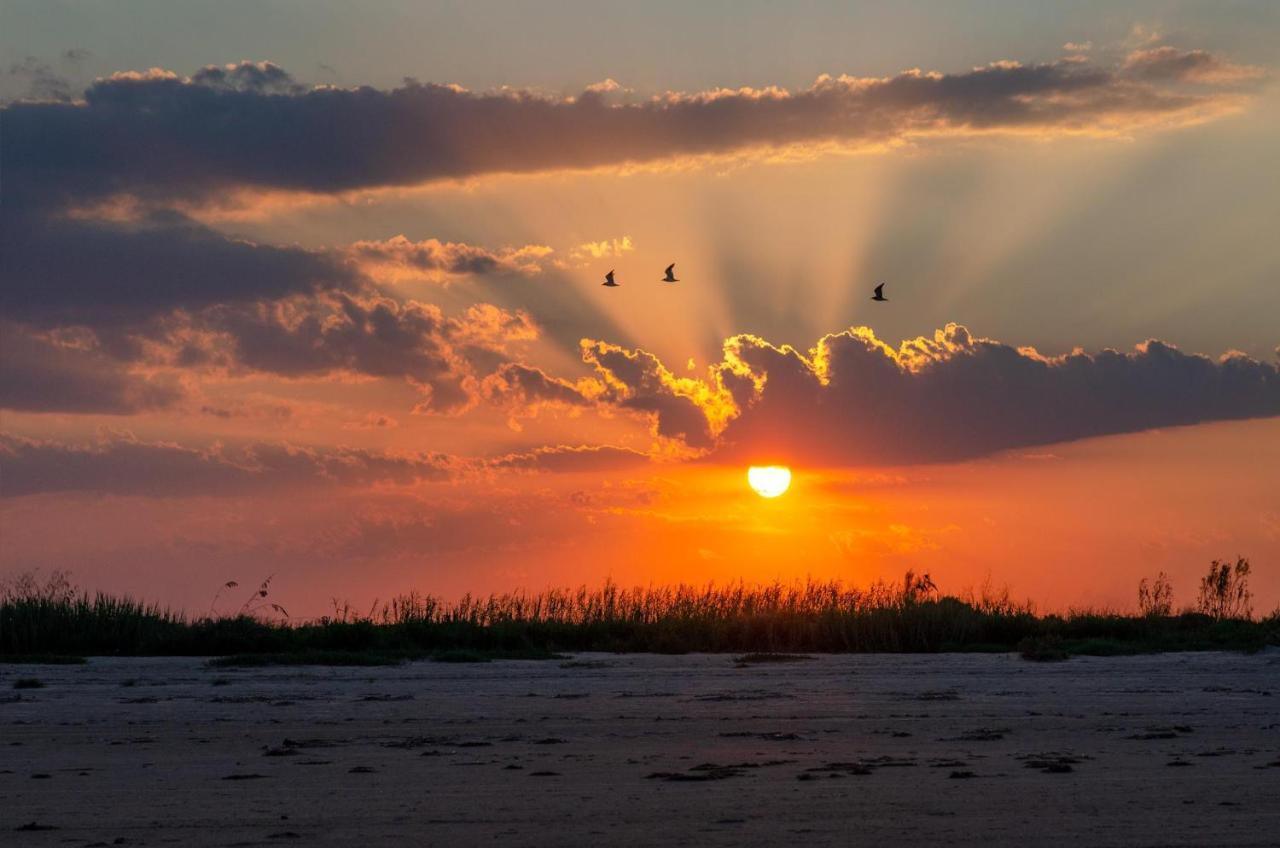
{"x":1224,"y":591}
{"x":1155,"y":599}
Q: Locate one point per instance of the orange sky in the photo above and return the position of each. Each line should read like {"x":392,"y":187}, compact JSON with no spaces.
{"x":356,"y":337}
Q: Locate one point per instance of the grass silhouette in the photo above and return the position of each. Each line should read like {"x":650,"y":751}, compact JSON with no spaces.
{"x":37,"y":622}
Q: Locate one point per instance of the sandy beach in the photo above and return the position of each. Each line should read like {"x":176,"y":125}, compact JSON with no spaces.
{"x":1177,"y":749}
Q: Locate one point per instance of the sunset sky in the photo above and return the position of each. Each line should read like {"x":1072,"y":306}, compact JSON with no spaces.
{"x":313,"y":289}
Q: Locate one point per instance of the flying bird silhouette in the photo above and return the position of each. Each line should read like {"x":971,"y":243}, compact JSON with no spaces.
{"x":671,"y":274}
{"x":608,"y":280}
{"x":879,"y":295}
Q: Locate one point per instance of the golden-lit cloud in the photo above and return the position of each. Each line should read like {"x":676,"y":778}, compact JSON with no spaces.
{"x":852,"y":399}
{"x":606,"y":249}
{"x":398,"y":257}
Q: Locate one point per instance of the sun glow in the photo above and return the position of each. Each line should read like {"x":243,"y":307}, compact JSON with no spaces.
{"x":769,"y":481}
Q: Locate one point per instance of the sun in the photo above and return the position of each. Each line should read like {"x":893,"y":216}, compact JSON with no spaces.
{"x":769,"y":481}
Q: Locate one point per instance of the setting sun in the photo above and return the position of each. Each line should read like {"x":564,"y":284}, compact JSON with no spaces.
{"x":769,"y":481}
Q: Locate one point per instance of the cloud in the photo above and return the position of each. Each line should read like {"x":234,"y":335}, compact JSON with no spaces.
{"x":1195,"y":66}
{"x":256,"y":77}
{"x":606,"y":249}
{"x":525,"y":389}
{"x":338,"y":334}
{"x":398,"y":256}
{"x":372,"y":421}
{"x":160,"y":136}
{"x":122,"y":465}
{"x":39,"y":373}
{"x":66,"y":271}
{"x":681,"y":409}
{"x":571,"y":459}
{"x":121,"y":367}
{"x":90,"y":237}
{"x":510,"y":525}
{"x":43,"y":82}
{"x":853,"y":400}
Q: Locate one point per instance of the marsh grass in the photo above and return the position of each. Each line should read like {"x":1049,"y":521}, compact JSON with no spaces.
{"x":55,"y":619}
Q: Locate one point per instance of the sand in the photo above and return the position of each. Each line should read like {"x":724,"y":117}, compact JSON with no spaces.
{"x":1179,"y":749}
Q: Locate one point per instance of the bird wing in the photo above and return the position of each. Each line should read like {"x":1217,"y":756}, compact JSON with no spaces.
{"x":671,"y":269}
{"x":880,"y":290}
{"x":609,"y":276}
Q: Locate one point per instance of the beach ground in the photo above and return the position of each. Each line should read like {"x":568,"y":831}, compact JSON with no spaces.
{"x":947,"y":749}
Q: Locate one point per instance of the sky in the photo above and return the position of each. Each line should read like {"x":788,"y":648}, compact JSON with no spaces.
{"x":313,"y":290}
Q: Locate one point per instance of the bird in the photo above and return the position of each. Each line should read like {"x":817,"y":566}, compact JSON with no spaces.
{"x":671,"y":274}
{"x":879,"y":295}
{"x":608,"y":280}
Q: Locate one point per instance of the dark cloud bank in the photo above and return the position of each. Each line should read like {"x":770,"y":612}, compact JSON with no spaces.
{"x":158,"y":135}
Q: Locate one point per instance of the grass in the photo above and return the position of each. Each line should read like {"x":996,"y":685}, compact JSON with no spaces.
{"x":762,"y":623}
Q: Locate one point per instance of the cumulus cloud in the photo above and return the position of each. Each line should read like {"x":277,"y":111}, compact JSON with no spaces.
{"x":527,"y":388}
{"x":123,"y":465}
{"x":258,"y":77}
{"x":252,"y":126}
{"x":852,"y":399}
{"x":129,"y":369}
{"x":682,"y":409}
{"x":342,"y":334}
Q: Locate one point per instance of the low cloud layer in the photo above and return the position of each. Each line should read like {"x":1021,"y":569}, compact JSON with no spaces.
{"x":126,"y":466}
{"x":853,"y":400}
{"x":570,"y":459}
{"x":123,"y":465}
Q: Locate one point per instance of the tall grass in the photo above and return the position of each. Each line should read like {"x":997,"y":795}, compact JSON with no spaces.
{"x":802,"y":617}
